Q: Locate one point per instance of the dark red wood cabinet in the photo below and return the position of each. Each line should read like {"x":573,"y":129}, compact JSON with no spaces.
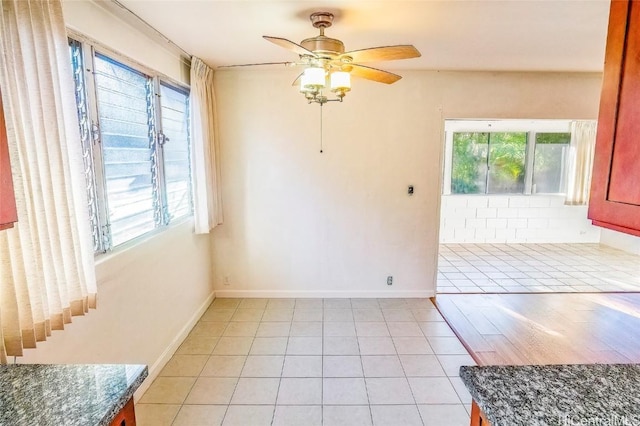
{"x":126,"y":416}
{"x":615,"y":185}
{"x":7,"y":200}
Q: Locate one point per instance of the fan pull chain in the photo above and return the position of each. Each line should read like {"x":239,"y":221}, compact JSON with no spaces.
{"x":320,"y":128}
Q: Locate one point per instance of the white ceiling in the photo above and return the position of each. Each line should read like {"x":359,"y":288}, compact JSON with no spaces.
{"x":510,"y":35}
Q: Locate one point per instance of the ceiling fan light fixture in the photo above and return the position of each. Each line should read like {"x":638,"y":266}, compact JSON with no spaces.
{"x":305,"y":87}
{"x":313,"y":78}
{"x":340,"y":81}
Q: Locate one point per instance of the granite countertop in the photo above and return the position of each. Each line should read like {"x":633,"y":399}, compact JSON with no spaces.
{"x":87,"y":395}
{"x":537,"y":395}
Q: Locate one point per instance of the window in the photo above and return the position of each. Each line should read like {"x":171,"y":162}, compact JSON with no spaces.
{"x":470,"y":153}
{"x":506,"y":157}
{"x":549,"y":164}
{"x":135,"y":134}
{"x":177,"y":163}
{"x":488,"y":163}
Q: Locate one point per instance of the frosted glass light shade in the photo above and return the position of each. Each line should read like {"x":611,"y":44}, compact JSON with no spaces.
{"x":304,"y":84}
{"x":314,"y":77}
{"x":340,"y":80}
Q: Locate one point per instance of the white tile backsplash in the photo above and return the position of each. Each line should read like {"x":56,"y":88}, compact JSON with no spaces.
{"x":514,"y":219}
{"x":486,"y":233}
{"x":476,"y":223}
{"x":454,"y":222}
{"x":530,"y":212}
{"x":540,"y":223}
{"x":454,"y":202}
{"x":464,"y":212}
{"x":497,"y":223}
{"x":504,"y":235}
{"x":507,"y":213}
{"x":519,"y":201}
{"x":539,"y":201}
{"x":477,"y":201}
{"x":517,"y":223}
{"x":488,"y":212}
{"x":498,"y":201}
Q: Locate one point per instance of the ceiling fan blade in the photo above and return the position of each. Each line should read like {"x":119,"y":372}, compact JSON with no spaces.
{"x":374,"y":74}
{"x":286,"y":64}
{"x":289,"y":45}
{"x":383,"y":53}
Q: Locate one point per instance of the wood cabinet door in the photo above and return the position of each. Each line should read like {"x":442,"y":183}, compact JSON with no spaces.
{"x":7,"y":200}
{"x":126,"y":416}
{"x":615,"y":188}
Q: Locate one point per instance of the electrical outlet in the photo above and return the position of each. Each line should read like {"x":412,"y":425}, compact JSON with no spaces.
{"x":390,"y":280}
{"x":226,"y":281}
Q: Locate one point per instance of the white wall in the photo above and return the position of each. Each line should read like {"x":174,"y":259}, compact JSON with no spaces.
{"x":98,"y":21}
{"x":148,"y":293}
{"x":299,"y":222}
{"x":514,"y":219}
{"x":146,"y":296}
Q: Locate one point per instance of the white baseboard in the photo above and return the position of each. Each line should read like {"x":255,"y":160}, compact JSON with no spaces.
{"x":324,"y":294}
{"x":620,"y":241}
{"x":157,"y":366}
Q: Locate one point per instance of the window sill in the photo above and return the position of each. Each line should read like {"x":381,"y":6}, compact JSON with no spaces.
{"x":133,"y":246}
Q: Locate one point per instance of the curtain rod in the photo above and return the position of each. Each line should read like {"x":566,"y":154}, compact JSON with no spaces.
{"x":186,"y":55}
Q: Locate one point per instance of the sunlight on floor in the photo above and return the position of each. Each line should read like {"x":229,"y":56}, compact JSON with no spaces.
{"x":535,"y":268}
{"x":526,"y":320}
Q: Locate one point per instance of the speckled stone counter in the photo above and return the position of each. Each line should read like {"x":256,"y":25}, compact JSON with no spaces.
{"x":67,"y":395}
{"x":556,"y":395}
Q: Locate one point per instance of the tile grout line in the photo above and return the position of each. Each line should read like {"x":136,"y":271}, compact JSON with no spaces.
{"x":322,"y":369}
{"x":366,"y":388}
{"x":405,"y":372}
{"x":415,"y":403}
{"x":284,"y":359}
{"x":226,"y":411}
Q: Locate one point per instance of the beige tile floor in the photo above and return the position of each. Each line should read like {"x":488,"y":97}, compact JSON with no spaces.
{"x":535,"y":268}
{"x":252,"y":362}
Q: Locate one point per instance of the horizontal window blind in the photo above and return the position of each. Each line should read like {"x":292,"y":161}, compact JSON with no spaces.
{"x":134,"y":128}
{"x":123,"y":99}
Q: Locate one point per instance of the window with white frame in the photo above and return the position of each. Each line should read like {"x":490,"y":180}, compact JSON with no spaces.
{"x":134,"y":125}
{"x":506,"y":156}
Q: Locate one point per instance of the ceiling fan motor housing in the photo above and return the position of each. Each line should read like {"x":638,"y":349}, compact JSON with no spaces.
{"x":322,"y":45}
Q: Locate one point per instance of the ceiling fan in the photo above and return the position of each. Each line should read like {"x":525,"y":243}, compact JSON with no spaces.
{"x":327,"y":65}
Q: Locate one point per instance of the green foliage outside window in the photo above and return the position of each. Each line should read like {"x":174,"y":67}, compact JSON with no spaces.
{"x":495,"y":163}
{"x":502,"y":155}
{"x":507,"y":153}
{"x":469,"y":155}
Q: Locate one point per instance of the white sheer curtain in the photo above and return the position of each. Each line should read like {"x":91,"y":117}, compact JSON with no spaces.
{"x":46,"y":261}
{"x":205,"y":151}
{"x":583,"y":142}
